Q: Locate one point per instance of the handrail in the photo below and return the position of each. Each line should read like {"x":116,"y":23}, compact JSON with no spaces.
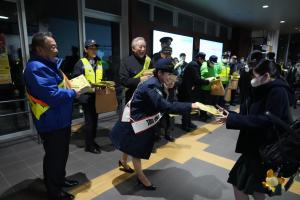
{"x":16,"y":113}
{"x":15,"y":100}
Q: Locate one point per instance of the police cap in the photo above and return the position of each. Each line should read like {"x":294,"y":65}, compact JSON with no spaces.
{"x":166,"y":40}
{"x":89,"y":43}
{"x":165,"y":64}
{"x":213,"y":59}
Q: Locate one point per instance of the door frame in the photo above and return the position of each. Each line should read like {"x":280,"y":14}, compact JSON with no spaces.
{"x":22,"y":26}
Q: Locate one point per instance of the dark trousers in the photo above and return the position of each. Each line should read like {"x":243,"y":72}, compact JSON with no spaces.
{"x":91,"y":122}
{"x":186,"y":120}
{"x":56,"y":145}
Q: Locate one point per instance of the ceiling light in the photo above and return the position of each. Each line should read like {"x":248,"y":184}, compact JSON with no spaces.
{"x":3,"y":17}
{"x":265,"y":6}
{"x":282,"y":21}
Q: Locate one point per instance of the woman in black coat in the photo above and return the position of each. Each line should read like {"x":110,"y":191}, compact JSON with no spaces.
{"x":269,"y":93}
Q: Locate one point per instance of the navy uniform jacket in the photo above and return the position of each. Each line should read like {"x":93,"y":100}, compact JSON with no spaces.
{"x":147,"y":100}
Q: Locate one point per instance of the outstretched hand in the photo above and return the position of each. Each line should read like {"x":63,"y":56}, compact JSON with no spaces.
{"x":223,"y":118}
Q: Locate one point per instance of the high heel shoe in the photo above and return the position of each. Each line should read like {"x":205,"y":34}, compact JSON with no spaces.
{"x":124,"y":168}
{"x":150,"y":187}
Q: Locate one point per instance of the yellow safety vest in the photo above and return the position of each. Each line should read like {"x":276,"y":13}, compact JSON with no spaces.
{"x":145,"y":68}
{"x":224,"y":75}
{"x":89,"y":72}
{"x":39,"y":107}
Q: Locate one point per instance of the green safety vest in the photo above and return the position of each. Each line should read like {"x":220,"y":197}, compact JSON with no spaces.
{"x":89,"y":73}
{"x":224,"y":73}
{"x":39,"y":107}
{"x":207,"y":72}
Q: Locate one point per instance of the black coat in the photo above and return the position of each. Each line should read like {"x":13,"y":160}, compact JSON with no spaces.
{"x":130,"y":67}
{"x":256,"y":128}
{"x":190,"y":81}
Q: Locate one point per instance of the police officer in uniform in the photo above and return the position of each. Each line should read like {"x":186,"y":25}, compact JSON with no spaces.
{"x":134,"y":133}
{"x":133,"y":67}
{"x":164,"y":42}
{"x":91,"y":67}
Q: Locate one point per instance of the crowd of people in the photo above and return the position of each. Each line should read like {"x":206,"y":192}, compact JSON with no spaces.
{"x":155,"y":88}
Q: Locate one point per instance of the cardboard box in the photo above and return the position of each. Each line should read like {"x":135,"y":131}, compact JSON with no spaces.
{"x":106,"y":99}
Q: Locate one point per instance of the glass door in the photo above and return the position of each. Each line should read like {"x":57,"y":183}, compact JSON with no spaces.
{"x":14,"y":112}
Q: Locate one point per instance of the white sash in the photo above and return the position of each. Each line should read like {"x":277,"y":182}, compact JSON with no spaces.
{"x":140,"y":125}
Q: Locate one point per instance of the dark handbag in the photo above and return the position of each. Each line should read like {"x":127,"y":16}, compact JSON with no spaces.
{"x":283,"y":155}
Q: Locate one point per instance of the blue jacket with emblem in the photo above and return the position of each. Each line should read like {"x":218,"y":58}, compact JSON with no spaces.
{"x":42,"y":78}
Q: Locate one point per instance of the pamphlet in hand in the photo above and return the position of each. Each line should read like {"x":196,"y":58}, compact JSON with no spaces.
{"x":210,"y":109}
{"x":80,"y":84}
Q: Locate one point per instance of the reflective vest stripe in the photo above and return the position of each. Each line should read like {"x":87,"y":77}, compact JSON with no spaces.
{"x":39,"y":107}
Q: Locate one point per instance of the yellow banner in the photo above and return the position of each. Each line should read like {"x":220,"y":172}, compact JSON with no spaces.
{"x":5,"y":76}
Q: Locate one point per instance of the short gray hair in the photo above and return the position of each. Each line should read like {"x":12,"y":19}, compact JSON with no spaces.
{"x":135,"y":40}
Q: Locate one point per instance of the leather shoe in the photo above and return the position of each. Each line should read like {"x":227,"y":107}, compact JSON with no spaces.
{"x":150,"y":187}
{"x":96,"y":146}
{"x":193,"y":126}
{"x":93,"y":150}
{"x":62,"y":196}
{"x":169,"y":138}
{"x":124,"y":168}
{"x":70,"y":183}
{"x":187,"y":128}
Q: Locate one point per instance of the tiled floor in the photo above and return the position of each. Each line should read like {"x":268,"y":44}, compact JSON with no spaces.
{"x":195,"y":179}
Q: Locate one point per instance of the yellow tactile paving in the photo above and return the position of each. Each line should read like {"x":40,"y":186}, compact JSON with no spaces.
{"x":185,"y":148}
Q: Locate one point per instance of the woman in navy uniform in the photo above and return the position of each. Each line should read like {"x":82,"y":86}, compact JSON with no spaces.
{"x":134,"y":134}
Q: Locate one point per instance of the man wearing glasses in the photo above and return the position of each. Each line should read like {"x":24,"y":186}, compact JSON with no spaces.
{"x":91,"y":67}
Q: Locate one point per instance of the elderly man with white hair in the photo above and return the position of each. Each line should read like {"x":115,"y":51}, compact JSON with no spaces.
{"x":133,"y":67}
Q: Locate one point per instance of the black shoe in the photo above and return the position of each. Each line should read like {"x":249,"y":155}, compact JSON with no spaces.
{"x":193,"y":126}
{"x":70,"y":183}
{"x":62,"y":196}
{"x":169,"y":138}
{"x":150,"y":187}
{"x":93,"y":150}
{"x":186,"y":128}
{"x":96,"y":146}
{"x":125,"y":169}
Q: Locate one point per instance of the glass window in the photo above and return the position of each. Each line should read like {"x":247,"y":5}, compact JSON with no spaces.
{"x":143,"y":10}
{"x":62,"y":21}
{"x":107,"y":36}
{"x":109,"y":6}
{"x":185,"y":22}
{"x":14,"y":115}
{"x":163,"y":16}
{"x":211,"y":28}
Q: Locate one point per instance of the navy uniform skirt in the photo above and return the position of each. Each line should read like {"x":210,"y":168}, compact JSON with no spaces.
{"x":137,"y":145}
